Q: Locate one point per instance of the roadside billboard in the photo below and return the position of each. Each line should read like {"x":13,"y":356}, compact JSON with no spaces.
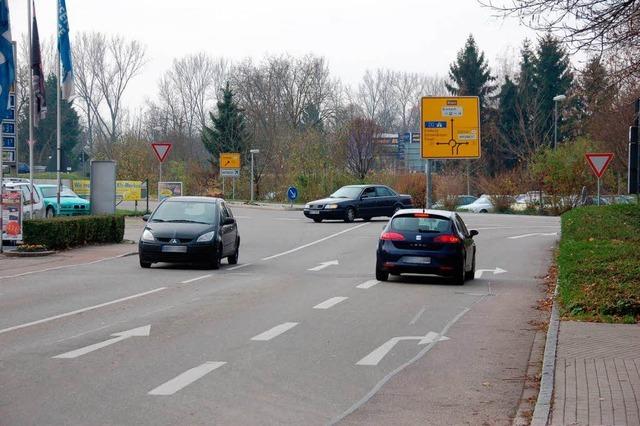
{"x":11,"y":215}
{"x":169,"y":189}
{"x":126,"y":190}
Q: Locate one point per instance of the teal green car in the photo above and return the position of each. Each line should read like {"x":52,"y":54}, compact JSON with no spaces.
{"x":70,"y":203}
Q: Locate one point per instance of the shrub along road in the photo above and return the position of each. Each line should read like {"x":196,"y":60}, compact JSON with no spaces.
{"x":297,"y":333}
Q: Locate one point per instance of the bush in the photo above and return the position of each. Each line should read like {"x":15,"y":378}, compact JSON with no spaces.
{"x":65,"y":232}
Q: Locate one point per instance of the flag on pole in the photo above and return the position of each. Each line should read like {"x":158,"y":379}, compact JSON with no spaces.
{"x":7,"y":65}
{"x":64,"y":48}
{"x":40,"y":104}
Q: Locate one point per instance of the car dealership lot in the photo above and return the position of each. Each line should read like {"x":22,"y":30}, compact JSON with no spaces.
{"x":298,"y":332}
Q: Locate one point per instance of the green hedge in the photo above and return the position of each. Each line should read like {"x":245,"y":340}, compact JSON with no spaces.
{"x":65,"y":232}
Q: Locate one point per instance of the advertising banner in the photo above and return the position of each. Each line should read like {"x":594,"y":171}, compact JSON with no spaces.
{"x":169,"y":189}
{"x":12,"y":215}
{"x":126,"y":190}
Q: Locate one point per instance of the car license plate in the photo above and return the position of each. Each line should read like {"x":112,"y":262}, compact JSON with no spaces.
{"x":174,"y":249}
{"x":314,"y":211}
{"x":417,"y":259}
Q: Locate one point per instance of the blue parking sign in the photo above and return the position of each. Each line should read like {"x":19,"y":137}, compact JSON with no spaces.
{"x":292,"y":193}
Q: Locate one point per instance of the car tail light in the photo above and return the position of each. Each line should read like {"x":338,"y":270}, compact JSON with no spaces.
{"x":391,"y":236}
{"x":446,"y":239}
{"x":421,"y":215}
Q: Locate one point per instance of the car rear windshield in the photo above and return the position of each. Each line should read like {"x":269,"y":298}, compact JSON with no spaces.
{"x":185,"y":212}
{"x":435,"y":224}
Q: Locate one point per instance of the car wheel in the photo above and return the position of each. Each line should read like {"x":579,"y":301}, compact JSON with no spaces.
{"x":144,"y":264}
{"x":217,"y":260}
{"x":350,"y":215}
{"x":458,"y":278}
{"x":233,"y":259}
{"x":483,"y":211}
{"x":382,"y":275}
{"x":470,"y":275}
{"x":317,"y":220}
{"x":50,"y":212}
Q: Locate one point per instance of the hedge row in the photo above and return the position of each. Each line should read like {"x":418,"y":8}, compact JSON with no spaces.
{"x":64,"y":232}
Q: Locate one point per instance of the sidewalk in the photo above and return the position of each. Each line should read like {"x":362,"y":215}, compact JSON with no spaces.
{"x":597,"y":375}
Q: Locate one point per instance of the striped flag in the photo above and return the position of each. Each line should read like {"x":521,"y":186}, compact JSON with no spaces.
{"x":40,"y":104}
{"x":64,"y":47}
{"x":7,"y":65}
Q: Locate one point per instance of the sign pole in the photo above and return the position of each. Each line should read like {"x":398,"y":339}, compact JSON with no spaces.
{"x":233,"y":188}
{"x":31,"y":105}
{"x":598,"y":191}
{"x":1,"y":189}
{"x":427,"y":172}
{"x":223,"y":191}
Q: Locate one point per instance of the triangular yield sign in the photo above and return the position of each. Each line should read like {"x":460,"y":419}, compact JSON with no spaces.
{"x":599,"y":161}
{"x":161,"y":149}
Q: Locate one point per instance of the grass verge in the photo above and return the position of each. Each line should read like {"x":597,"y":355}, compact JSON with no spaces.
{"x":599,"y":264}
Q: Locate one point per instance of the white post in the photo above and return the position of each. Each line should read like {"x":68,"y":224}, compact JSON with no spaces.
{"x":555,"y":124}
{"x":58,"y":128}
{"x":427,"y":172}
{"x":233,"y":188}
{"x":252,"y":176}
{"x":598,"y":191}
{"x":159,"y":180}
{"x":31,"y":142}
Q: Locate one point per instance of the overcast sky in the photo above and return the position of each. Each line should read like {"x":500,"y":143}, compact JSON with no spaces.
{"x":354,"y":35}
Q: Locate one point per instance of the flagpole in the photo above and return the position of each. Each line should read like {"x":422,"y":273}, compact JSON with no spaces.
{"x":30,"y":142}
{"x":58,"y":109}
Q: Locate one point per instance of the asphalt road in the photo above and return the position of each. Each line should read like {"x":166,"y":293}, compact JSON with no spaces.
{"x":271,"y":341}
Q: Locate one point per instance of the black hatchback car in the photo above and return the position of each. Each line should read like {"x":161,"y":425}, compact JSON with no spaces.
{"x":431,"y":242}
{"x":190,"y":230}
{"x":358,"y":201}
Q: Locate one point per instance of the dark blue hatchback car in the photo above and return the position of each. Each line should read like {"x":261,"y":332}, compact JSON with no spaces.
{"x":433,"y":242}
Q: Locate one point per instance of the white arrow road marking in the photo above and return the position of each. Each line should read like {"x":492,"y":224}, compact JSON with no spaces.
{"x":368,"y":284}
{"x":495,"y":271}
{"x":330,"y":302}
{"x":376,"y":356}
{"x":186,"y":378}
{"x":544,"y":234}
{"x":274,"y":332}
{"x":124,"y":335}
{"x":323,"y":265}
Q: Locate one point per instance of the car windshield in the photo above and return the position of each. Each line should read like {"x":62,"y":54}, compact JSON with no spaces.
{"x":421,"y":224}
{"x":51,"y":192}
{"x":185,"y":212}
{"x":347,"y":192}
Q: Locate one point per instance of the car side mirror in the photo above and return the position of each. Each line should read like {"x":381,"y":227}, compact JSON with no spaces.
{"x":364,"y":196}
{"x":473,"y":233}
{"x":146,"y":217}
{"x":228,"y":221}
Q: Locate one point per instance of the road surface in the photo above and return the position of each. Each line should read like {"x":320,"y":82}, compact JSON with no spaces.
{"x":299,"y":332}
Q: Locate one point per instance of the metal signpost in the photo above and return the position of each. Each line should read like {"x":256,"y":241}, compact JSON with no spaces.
{"x":449,"y":129}
{"x":230,"y":167}
{"x":162,"y":150}
{"x":599,"y":161}
{"x":292,"y":194}
{"x":253,"y":151}
{"x":633,"y":174}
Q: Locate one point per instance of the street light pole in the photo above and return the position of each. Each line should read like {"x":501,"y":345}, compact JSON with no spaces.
{"x":556,"y":99}
{"x":253,"y":151}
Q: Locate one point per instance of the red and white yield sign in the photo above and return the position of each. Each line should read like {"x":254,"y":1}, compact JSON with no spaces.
{"x":162,"y":150}
{"x":599,"y":161}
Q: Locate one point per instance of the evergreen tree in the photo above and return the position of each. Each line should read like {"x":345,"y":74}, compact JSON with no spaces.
{"x":508,"y":120}
{"x":552,"y":77}
{"x":228,"y":133}
{"x":45,"y":151}
{"x":470,"y":74}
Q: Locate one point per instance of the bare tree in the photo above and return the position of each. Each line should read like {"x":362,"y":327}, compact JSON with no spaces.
{"x":409,"y":89}
{"x":377,"y":98}
{"x":104,"y":68}
{"x":361,"y":146}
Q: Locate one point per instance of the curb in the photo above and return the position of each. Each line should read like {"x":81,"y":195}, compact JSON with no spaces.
{"x":29,"y":253}
{"x":543,"y":404}
{"x":284,"y":207}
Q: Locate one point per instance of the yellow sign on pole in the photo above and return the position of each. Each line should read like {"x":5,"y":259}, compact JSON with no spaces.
{"x":450,"y":127}
{"x":229,"y":160}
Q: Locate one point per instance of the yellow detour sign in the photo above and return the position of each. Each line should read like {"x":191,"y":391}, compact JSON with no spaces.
{"x":229,"y":160}
{"x":450,"y":127}
{"x":81,"y":187}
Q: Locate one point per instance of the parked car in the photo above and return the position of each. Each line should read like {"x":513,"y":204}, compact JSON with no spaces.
{"x":27,"y":207}
{"x":358,"y":201}
{"x":427,"y":242}
{"x":481,"y":205}
{"x":190,"y":230}
{"x":70,"y":203}
{"x":461,"y":200}
{"x":23,"y":168}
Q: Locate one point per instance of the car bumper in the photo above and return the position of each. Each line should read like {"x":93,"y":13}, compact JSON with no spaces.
{"x":443,"y":263}
{"x":74,"y":212}
{"x":195,"y":253}
{"x":325,"y":213}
